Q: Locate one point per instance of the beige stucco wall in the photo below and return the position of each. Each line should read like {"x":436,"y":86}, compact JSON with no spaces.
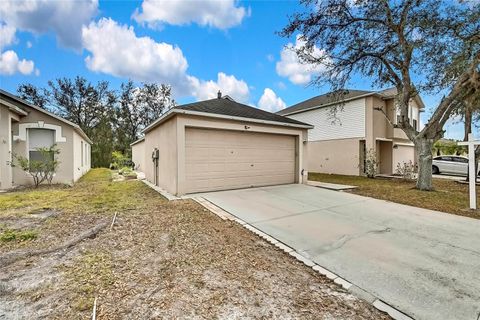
{"x":339,"y":156}
{"x":139,"y":155}
{"x":163,"y":137}
{"x":384,"y":157}
{"x":403,"y":153}
{"x":381,"y":127}
{"x":169,"y":138}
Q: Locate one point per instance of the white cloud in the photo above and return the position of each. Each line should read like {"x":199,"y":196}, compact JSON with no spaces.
{"x":270,"y":102}
{"x":291,"y":66}
{"x":214,"y":13}
{"x":270,"y":57}
{"x":7,"y":36}
{"x":65,"y":18}
{"x":227,"y":84}
{"x":116,"y":50}
{"x":29,"y":44}
{"x":11,"y":64}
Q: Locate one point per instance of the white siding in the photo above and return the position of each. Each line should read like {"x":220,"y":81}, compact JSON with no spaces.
{"x":349,"y":122}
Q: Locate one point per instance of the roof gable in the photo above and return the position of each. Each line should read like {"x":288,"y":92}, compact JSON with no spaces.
{"x":335,"y":97}
{"x":25,"y":105}
{"x":229,"y":107}
{"x":324,"y":100}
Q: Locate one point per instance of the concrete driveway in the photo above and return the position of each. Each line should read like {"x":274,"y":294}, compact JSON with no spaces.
{"x":422,"y":262}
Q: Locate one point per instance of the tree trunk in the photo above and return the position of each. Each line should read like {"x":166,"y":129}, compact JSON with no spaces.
{"x":423,"y":148}
{"x":468,"y":123}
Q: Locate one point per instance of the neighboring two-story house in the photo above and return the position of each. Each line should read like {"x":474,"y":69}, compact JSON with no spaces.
{"x":340,"y":141}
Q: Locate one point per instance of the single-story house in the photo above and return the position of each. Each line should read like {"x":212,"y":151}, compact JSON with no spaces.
{"x":221,"y":144}
{"x":345,"y":131}
{"x":25,"y":127}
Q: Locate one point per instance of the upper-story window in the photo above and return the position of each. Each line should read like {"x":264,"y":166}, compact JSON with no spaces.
{"x":39,"y":138}
{"x":414,"y":124}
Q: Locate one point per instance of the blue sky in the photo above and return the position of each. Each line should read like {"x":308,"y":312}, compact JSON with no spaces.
{"x":197,"y":46}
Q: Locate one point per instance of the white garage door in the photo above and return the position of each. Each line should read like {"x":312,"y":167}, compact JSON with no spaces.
{"x":223,"y":159}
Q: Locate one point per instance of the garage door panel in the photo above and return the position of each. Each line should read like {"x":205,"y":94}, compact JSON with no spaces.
{"x":221,"y":159}
{"x":240,"y":174}
{"x":194,"y":153}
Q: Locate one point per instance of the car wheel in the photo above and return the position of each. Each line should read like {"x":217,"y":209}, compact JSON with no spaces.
{"x":435,"y":170}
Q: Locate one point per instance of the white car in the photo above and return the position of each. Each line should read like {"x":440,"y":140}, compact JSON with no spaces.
{"x":450,"y":165}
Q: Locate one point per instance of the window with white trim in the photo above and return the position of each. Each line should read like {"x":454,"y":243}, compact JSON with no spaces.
{"x":39,"y":138}
{"x":81,"y":151}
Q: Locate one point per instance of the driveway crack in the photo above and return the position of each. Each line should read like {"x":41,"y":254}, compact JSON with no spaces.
{"x":341,"y":241}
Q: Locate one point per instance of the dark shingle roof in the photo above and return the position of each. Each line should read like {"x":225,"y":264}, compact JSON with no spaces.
{"x":324,"y":99}
{"x":228,"y":107}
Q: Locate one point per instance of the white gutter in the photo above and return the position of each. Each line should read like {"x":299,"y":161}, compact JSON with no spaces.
{"x":221,"y":116}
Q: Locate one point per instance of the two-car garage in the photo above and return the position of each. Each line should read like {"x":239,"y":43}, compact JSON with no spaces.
{"x":227,"y":159}
{"x":220,"y":144}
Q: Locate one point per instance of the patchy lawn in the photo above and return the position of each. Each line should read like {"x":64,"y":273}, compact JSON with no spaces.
{"x":160,"y":260}
{"x":449,"y":196}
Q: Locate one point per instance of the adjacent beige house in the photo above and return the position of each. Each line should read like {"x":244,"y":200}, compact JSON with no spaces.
{"x":340,"y":140}
{"x":220,"y":144}
{"x":25,"y":127}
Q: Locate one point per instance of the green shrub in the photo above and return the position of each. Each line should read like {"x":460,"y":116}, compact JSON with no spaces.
{"x":371,"y":163}
{"x":119,"y":160}
{"x":43,"y":169}
{"x":15,"y":235}
{"x":448,"y":147}
{"x":125,"y":171}
{"x":407,"y":170}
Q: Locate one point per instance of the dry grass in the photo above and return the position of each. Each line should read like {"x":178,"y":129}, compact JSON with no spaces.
{"x":172,"y":260}
{"x":449,"y":196}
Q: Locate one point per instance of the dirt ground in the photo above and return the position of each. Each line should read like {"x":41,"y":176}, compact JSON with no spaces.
{"x":161,"y":260}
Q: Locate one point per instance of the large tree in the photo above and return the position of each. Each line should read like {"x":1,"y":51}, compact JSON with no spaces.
{"x":111,"y":118}
{"x":36,"y":96}
{"x":79,"y":101}
{"x":138,"y":107}
{"x":406,"y":44}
